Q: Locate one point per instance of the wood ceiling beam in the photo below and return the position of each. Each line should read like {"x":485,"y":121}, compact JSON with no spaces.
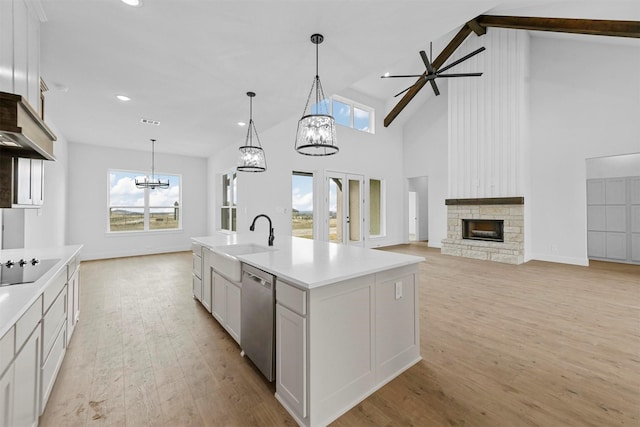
{"x":419,"y":84}
{"x":598,"y":27}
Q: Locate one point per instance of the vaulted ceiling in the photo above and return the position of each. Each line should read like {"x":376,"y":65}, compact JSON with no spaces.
{"x":189,"y":63}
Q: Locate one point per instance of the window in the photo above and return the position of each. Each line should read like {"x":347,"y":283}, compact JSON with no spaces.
{"x":347,"y":113}
{"x":229,"y":202}
{"x":302,"y":205}
{"x":136,"y":209}
{"x":376,"y":208}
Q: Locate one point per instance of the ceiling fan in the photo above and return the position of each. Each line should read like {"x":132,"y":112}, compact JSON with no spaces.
{"x":431,"y":75}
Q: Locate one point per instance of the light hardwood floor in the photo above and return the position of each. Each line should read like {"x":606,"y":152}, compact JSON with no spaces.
{"x":539,"y":344}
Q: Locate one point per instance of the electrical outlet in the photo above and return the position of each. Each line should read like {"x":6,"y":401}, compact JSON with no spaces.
{"x":398,"y":290}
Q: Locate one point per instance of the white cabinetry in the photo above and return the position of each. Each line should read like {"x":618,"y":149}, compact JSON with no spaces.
{"x":206,"y":280}
{"x":29,"y":182}
{"x":226,"y":304}
{"x":73,"y":295}
{"x":6,"y":378}
{"x":196,"y":271}
{"x":291,"y":347}
{"x":20,"y":50}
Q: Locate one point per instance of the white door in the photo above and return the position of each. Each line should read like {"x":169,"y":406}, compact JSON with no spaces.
{"x":413,"y":216}
{"x":345,"y":208}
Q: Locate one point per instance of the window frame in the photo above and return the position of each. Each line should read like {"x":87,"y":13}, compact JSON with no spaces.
{"x":352,"y":106}
{"x":383,"y":208}
{"x":232,"y":189}
{"x":146,"y":207}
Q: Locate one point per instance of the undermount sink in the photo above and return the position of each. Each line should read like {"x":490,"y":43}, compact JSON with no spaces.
{"x":224,"y":258}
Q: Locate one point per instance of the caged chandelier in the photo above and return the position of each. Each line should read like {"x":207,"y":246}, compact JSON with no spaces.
{"x":152,"y":182}
{"x":251,"y":157}
{"x":316,"y":135}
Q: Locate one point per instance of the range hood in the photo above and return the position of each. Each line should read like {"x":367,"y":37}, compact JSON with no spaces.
{"x":22,"y":132}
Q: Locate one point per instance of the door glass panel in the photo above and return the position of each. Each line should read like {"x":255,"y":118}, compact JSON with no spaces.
{"x":302,"y":205}
{"x":355,"y":220}
{"x":336,"y":214}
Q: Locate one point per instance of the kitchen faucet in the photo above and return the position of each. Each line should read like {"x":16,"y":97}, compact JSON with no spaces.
{"x":253,"y":227}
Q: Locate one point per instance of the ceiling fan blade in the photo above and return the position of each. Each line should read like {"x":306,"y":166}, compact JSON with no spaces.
{"x":461,"y":75}
{"x":427,"y":64}
{"x":434,"y":86}
{"x":464,"y":58}
{"x":400,"y":93}
{"x":402,"y":76}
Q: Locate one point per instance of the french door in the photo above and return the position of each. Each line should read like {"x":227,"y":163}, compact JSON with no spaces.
{"x":345,"y":208}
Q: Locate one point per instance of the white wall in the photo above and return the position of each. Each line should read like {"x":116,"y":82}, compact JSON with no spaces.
{"x":425,"y":154}
{"x":46,"y":227}
{"x":88,"y":198}
{"x":376,"y":156}
{"x":585,"y":100}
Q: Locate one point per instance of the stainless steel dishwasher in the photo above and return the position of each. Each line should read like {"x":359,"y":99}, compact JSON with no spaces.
{"x":257,"y":336}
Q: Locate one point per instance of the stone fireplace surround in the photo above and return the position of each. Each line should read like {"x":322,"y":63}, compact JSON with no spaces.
{"x":509,"y":209}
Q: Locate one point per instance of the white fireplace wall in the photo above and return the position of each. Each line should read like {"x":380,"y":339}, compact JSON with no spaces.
{"x":488,"y":117}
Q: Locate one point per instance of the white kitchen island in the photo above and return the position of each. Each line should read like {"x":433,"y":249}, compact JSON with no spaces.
{"x":346,"y":320}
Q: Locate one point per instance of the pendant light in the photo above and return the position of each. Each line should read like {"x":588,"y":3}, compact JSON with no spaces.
{"x":251,"y":157}
{"x":316,"y":135}
{"x":152,"y":182}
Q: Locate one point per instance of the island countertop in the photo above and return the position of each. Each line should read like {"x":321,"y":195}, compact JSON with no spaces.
{"x":310,"y":263}
{"x":16,"y":299}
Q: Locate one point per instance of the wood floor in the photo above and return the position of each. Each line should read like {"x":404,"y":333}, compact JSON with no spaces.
{"x":539,"y":344}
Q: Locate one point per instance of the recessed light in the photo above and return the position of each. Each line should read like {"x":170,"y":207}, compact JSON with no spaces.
{"x":134,"y":3}
{"x":123,"y":98}
{"x":386,"y":74}
{"x":242,"y":124}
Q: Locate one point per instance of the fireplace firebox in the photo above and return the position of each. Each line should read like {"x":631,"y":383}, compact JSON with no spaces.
{"x":483,"y":229}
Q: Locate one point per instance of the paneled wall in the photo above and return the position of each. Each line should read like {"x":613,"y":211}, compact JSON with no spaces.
{"x":488,"y":117}
{"x":20,"y":49}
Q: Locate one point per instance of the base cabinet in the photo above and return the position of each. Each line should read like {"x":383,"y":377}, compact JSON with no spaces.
{"x":196,"y":271}
{"x":27,"y":389}
{"x":226,"y":304}
{"x":291,"y":359}
{"x":6,"y":397}
{"x":73,"y":302}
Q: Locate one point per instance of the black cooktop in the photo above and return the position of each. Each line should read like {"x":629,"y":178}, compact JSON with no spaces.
{"x":23,"y":271}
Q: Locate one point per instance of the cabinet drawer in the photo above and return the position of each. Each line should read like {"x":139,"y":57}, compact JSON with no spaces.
{"x":56,"y":315}
{"x":53,"y":289}
{"x":291,"y":297}
{"x":197,"y":266}
{"x":73,"y":266}
{"x":196,"y":249}
{"x":51,"y":366}
{"x":6,"y":349}
{"x":28,"y":322}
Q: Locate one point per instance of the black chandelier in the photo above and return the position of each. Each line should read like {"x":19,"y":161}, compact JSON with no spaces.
{"x":251,"y":157}
{"x":152,"y":182}
{"x":316,"y":135}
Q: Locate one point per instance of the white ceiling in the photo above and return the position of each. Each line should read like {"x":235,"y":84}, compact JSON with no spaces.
{"x":189,"y":63}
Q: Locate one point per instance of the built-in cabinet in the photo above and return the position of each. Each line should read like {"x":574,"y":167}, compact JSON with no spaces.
{"x":20,"y":50}
{"x":28,"y":182}
{"x":613,"y":219}
{"x":337,"y":343}
{"x":226,"y":304}
{"x":220,"y":296}
{"x":33,"y":349}
{"x":196,"y":271}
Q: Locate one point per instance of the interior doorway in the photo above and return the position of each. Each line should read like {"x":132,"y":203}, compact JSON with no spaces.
{"x":418,"y":209}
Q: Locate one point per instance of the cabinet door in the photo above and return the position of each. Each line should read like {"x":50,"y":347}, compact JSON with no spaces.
{"x":291,"y":359}
{"x":37,"y":182}
{"x":197,"y":287}
{"x":233,"y":311}
{"x":73,"y":299}
{"x":219,"y":303}
{"x":6,"y":398}
{"x":51,"y":365}
{"x":23,"y":181}
{"x":27,"y":370}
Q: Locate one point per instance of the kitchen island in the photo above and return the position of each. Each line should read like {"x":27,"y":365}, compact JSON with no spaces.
{"x":346,"y":318}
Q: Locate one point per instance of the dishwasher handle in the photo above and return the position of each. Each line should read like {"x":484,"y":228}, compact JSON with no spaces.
{"x":256,"y":278}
